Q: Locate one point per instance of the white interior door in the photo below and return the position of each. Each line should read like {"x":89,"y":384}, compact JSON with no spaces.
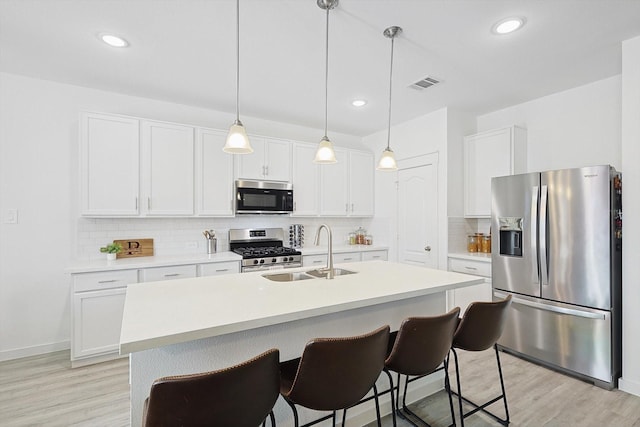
{"x":418,"y":213}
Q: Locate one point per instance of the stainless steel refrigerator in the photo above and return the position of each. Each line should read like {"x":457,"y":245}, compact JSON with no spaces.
{"x":557,"y":248}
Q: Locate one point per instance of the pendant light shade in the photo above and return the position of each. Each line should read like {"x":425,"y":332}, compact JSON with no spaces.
{"x":325,"y":153}
{"x":237,"y":139}
{"x":388,"y":161}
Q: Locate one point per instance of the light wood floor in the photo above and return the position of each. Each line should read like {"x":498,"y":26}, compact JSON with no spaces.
{"x":44,"y":390}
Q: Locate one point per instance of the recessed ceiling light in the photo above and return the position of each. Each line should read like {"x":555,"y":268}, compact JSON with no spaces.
{"x":358,"y":102}
{"x":113,"y":41}
{"x":508,"y":25}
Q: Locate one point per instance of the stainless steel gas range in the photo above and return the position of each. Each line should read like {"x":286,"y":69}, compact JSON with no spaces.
{"x":262,"y":249}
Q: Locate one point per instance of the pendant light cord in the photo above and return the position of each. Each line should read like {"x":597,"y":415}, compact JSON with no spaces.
{"x":390,"y":84}
{"x":237,"y":60}
{"x":326,"y":79}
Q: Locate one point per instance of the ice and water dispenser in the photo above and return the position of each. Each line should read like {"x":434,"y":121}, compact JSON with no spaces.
{"x":510,"y":236}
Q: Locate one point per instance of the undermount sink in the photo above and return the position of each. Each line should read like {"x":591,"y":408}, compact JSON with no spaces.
{"x":323,"y":272}
{"x":287,"y":277}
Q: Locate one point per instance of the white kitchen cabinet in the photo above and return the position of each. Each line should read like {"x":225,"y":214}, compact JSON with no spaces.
{"x":498,"y":152}
{"x":109,"y":165}
{"x":97,"y":302}
{"x":306,"y":181}
{"x":156,"y":274}
{"x":374,"y":256}
{"x":167,"y":169}
{"x":334,"y":188}
{"x":214,"y":174}
{"x":218,"y":268}
{"x":270,"y":160}
{"x":361,"y":183}
{"x":347,"y":187}
{"x":464,"y":296}
{"x":314,"y":260}
{"x":346,"y":257}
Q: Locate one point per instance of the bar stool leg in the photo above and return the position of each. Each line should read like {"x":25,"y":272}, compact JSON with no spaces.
{"x":504,"y":393}
{"x":459,"y":393}
{"x":447,"y":386}
{"x":393,"y":405}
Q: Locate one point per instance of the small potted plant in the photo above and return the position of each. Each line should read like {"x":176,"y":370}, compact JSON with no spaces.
{"x":111,"y":250}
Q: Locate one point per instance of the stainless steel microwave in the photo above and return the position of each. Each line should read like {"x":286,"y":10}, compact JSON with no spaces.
{"x":263,"y":197}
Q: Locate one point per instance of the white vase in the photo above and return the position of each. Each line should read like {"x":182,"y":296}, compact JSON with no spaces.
{"x":111,"y":257}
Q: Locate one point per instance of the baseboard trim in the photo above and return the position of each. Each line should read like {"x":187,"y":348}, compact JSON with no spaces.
{"x":36,"y":350}
{"x":629,"y":386}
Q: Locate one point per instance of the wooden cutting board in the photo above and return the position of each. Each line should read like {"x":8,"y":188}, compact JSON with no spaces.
{"x":135,"y":248}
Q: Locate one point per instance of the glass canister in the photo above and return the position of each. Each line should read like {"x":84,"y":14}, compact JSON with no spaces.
{"x":352,"y":238}
{"x":361,"y":234}
{"x":472,"y":243}
{"x":485,"y":244}
{"x":368,"y":240}
{"x":479,"y":237}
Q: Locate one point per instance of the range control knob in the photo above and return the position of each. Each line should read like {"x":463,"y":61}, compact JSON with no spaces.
{"x":290,"y":258}
{"x":274,"y":259}
{"x":255,"y":261}
{"x":261,"y":261}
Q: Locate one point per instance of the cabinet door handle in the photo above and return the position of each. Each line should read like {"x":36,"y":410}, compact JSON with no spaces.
{"x":172,"y":275}
{"x":148,"y":203}
{"x":347,"y":259}
{"x":294,"y":206}
{"x":222,"y":270}
{"x":427,"y":248}
{"x":471,"y":268}
{"x":136,"y":203}
{"x":346,"y":207}
{"x":318,"y":261}
{"x":108,"y":281}
{"x":351,"y":207}
{"x":266,"y":168}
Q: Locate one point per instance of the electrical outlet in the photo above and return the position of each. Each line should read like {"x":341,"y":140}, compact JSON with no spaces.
{"x":11,"y":216}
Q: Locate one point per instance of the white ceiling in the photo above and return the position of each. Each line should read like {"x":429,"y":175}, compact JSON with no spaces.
{"x":183,"y":51}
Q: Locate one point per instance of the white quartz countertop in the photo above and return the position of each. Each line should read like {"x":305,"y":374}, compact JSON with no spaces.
{"x":151,"y":261}
{"x":474,"y":256}
{"x":158,"y":314}
{"x":322,"y":250}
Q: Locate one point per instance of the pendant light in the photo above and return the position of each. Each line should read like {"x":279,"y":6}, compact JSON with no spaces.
{"x":237,"y":139}
{"x":388,"y":160}
{"x":325,"y":153}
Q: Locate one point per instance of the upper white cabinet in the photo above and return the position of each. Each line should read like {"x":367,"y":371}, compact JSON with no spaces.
{"x":334,"y":188}
{"x":167,"y":169}
{"x":306,"y":181}
{"x":347,"y":187}
{"x":214,"y":174}
{"x":489,"y":154}
{"x":270,"y":160}
{"x":361,"y":183}
{"x":109,"y":165}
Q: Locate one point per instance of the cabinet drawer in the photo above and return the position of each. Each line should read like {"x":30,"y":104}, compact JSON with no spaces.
{"x":346,"y":257}
{"x":168,"y":273}
{"x":477,"y":268}
{"x":218,"y":268}
{"x":104,"y":280}
{"x":314,"y":260}
{"x":374,"y":255}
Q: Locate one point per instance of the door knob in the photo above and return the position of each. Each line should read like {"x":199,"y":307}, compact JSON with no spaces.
{"x":427,"y":248}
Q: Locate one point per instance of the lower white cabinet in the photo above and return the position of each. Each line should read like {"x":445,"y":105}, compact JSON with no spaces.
{"x":464,"y":296}
{"x":320,"y":260}
{"x":374,"y":256}
{"x":98,"y":303}
{"x":218,"y":268}
{"x":156,"y":274}
{"x":346,"y":257}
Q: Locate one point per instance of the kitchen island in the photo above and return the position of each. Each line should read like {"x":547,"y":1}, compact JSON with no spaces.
{"x":196,"y":325}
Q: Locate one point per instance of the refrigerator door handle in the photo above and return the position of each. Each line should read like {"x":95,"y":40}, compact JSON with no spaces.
{"x":534,"y":236}
{"x":552,"y":308}
{"x":544,"y":269}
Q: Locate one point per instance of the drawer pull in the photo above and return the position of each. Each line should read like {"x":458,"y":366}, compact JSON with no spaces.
{"x":471,"y":268}
{"x":221,"y":270}
{"x":318,"y":261}
{"x":347,"y":259}
{"x":172,"y":275}
{"x":375,"y":256}
{"x":108,"y":281}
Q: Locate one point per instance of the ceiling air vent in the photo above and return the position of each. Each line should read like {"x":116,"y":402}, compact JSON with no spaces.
{"x":425,"y":83}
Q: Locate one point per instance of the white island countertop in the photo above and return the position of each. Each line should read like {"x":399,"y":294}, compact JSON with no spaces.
{"x":158,"y":314}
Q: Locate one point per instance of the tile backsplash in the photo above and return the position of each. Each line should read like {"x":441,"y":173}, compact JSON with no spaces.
{"x":183,"y":236}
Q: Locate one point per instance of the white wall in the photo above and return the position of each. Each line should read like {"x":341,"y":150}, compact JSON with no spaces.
{"x":577,"y":127}
{"x":38,"y":176}
{"x":631,"y":205}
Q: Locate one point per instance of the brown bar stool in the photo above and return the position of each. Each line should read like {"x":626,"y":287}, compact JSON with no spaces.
{"x":420,"y":348}
{"x":479,"y":330}
{"x":334,"y":373}
{"x":242,"y":396}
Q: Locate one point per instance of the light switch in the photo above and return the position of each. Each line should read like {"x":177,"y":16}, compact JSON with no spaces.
{"x":11,"y":216}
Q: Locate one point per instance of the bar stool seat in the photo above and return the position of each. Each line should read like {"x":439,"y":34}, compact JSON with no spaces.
{"x":242,"y":395}
{"x":479,"y":330}
{"x":420,"y":348}
{"x":334,"y":373}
